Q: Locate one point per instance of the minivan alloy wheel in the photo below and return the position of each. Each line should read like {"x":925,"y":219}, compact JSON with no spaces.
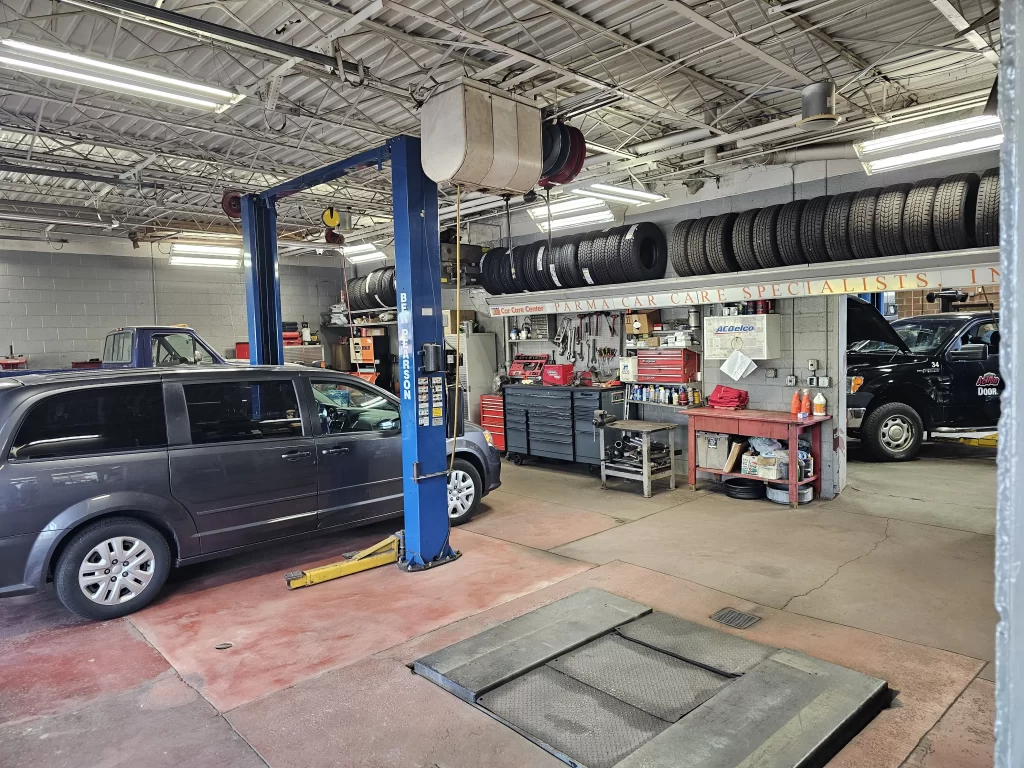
{"x":461,"y":493}
{"x":117,"y":570}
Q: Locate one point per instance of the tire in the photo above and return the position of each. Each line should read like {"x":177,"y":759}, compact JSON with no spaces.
{"x":567,"y":266}
{"x":527,"y":263}
{"x":889,"y":214}
{"x":460,"y":508}
{"x":787,"y":233}
{"x":350,"y":292}
{"x":863,"y":210}
{"x":505,"y":276}
{"x":677,"y":248}
{"x":812,"y":229}
{"x":487,"y":277}
{"x":919,"y":217}
{"x":986,"y":216}
{"x":837,"y":227}
{"x":719,"y":244}
{"x":766,"y":246}
{"x":696,"y":247}
{"x":542,"y":261}
{"x":955,"y":205}
{"x":743,"y":240}
{"x":881,"y":426}
{"x":613,"y":267}
{"x":644,"y":252}
{"x":99,"y":544}
{"x":585,"y":259}
{"x":518,"y":269}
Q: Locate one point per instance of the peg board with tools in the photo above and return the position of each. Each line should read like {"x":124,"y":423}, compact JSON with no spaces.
{"x":587,"y":341}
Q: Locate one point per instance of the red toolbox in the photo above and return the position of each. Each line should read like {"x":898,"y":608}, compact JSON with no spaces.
{"x":667,"y":364}
{"x":492,"y":418}
{"x":559,"y":375}
{"x":527,"y":366}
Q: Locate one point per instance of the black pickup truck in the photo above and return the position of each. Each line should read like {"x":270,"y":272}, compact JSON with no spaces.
{"x":933,"y":373}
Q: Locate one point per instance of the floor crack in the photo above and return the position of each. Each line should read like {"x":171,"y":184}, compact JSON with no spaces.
{"x":885,"y":535}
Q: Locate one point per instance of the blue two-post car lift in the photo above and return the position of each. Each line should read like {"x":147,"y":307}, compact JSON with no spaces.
{"x":418,"y":275}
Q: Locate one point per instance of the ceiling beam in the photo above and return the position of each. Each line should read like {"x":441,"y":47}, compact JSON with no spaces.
{"x":954,"y":17}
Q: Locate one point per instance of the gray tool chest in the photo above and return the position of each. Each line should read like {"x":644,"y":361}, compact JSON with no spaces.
{"x":556,"y":422}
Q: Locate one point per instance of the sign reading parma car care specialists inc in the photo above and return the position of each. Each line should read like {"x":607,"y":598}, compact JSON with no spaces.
{"x":960,"y":277}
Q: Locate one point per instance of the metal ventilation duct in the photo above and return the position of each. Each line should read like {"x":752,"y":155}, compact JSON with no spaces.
{"x":818,"y":111}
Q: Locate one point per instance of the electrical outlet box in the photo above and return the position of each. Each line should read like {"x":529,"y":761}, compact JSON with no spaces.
{"x":791,"y":381}
{"x":812,"y":365}
{"x":771,"y":373}
{"x":812,"y":381}
{"x":824,"y":381}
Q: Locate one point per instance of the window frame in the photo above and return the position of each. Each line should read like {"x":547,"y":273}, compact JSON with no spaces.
{"x":31,"y":403}
{"x":179,"y":423}
{"x":357,"y":383}
{"x":117,"y":339}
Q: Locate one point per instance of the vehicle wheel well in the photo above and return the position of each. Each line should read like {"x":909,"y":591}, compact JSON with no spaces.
{"x":473,"y":459}
{"x":155,"y":521}
{"x":912,"y":396}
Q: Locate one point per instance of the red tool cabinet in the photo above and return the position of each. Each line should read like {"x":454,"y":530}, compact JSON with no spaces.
{"x":667,"y":365}
{"x":492,"y":418}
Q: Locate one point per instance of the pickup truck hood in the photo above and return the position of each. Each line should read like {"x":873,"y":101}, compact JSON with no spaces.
{"x":865,"y":323}
{"x":873,"y":366}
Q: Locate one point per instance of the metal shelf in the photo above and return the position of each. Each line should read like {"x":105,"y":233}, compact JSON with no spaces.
{"x":663,"y":405}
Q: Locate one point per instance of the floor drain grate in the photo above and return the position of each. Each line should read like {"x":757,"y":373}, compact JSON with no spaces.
{"x":733,"y":618}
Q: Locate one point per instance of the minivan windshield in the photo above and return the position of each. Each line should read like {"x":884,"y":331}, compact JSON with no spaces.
{"x":922,"y":335}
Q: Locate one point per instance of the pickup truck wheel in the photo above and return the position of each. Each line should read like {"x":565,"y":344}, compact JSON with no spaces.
{"x":112,"y":568}
{"x":893,"y":432}
{"x":464,"y":491}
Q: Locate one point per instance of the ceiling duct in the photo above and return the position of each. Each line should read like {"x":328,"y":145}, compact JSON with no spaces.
{"x":818,"y":106}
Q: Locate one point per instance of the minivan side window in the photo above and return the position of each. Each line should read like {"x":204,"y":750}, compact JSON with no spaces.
{"x":343,"y":407}
{"x":95,"y":420}
{"x":242,"y":410}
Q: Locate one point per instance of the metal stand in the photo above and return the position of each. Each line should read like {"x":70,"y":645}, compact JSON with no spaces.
{"x":645,"y":473}
{"x":418,"y":274}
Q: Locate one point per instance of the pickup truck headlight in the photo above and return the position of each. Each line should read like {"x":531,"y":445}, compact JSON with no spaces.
{"x":489,"y":438}
{"x":853,"y":383}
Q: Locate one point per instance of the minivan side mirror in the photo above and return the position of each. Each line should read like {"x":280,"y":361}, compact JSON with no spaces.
{"x":969,"y":353}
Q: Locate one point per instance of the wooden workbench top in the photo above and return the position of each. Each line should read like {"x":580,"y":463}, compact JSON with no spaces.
{"x":743,"y":414}
{"x":635,"y":425}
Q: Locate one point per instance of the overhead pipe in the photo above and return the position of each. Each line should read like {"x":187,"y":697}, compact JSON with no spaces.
{"x":837,"y":151}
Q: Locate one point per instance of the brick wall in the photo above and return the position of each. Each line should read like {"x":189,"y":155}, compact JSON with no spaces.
{"x":912,"y":303}
{"x":56,"y":307}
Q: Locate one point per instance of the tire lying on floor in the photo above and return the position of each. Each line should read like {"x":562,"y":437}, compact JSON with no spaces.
{"x":955,"y":203}
{"x":643,"y":252}
{"x":986,"y":217}
{"x":889,"y":216}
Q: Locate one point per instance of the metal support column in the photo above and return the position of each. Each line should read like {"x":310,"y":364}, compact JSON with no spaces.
{"x":418,"y":274}
{"x":262,"y":282}
{"x":1009,"y":752}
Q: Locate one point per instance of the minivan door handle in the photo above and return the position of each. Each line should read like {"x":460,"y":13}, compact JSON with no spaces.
{"x":334,"y":451}
{"x":295,"y":455}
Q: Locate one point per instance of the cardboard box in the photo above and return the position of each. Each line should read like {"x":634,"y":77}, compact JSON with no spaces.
{"x":641,"y":322}
{"x":748,"y":464}
{"x":451,"y":322}
{"x":770,"y":467}
{"x":712,"y":450}
{"x":650,"y":341}
{"x":734,"y":455}
{"x":361,"y":349}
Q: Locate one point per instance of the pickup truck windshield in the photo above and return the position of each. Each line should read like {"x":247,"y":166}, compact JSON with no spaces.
{"x":922,"y":335}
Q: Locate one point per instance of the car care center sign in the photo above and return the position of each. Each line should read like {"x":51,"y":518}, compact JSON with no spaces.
{"x":961,"y":277}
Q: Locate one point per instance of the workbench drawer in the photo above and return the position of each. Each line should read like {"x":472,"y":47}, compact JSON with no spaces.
{"x":761,"y":429}
{"x":664,"y":377}
{"x":715,"y":424}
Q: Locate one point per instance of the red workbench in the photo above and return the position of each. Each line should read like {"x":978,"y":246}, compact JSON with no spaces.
{"x":775,"y":424}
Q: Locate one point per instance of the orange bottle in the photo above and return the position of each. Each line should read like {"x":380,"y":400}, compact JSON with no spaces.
{"x":805,"y":404}
{"x":794,"y":406}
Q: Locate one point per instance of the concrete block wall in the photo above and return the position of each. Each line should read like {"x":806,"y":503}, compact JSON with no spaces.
{"x":57,"y":306}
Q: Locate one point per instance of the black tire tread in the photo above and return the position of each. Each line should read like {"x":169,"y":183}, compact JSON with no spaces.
{"x":677,"y":248}
{"x":787,"y":233}
{"x":630,"y":251}
{"x":986,"y":217}
{"x":889,"y":214}
{"x":837,"y":227}
{"x":719,"y":244}
{"x":766,"y":245}
{"x":812,"y":229}
{"x":696,"y":247}
{"x":743,"y":240}
{"x":919,"y":215}
{"x":955,"y":205}
{"x":862,"y":224}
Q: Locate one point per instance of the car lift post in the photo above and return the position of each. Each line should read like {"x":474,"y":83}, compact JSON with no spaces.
{"x":424,"y":542}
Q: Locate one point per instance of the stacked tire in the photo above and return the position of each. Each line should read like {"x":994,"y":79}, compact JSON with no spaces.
{"x":376,"y":290}
{"x":625,"y":254}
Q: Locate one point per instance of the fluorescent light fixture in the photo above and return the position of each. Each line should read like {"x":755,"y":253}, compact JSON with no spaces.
{"x":958,"y":138}
{"x":56,"y":221}
{"x":366,"y":257}
{"x":955,"y":129}
{"x":106,"y":75}
{"x":960,"y":149}
{"x":638,"y":194}
{"x":355,"y":250}
{"x":202,"y":261}
{"x":597,"y":217}
{"x":178,"y":249}
{"x":539,"y":212}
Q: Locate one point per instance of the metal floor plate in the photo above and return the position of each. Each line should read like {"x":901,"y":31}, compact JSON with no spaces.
{"x":718,"y":651}
{"x":572,"y":719}
{"x":497,"y":655}
{"x":657,"y":683}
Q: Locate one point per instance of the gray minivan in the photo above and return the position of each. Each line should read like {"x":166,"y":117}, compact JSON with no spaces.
{"x":110,"y":477}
